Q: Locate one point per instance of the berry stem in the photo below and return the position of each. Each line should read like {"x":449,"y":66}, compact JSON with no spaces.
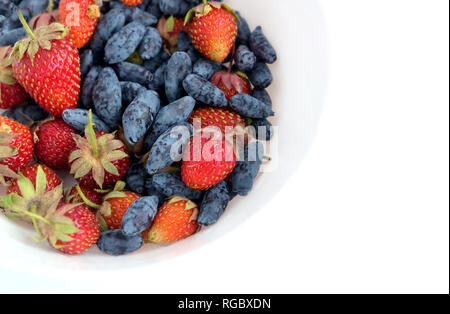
{"x":35,"y":223}
{"x":92,"y":135}
{"x":85,"y":199}
{"x":25,"y":25}
{"x":33,"y":215}
{"x":50,"y":6}
{"x":205,"y":2}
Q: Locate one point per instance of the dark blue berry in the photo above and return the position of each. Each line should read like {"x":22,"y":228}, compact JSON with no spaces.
{"x":261,"y":47}
{"x":88,"y":87}
{"x":139,"y":115}
{"x":204,"y":91}
{"x":250,"y":107}
{"x":243,"y":31}
{"x":263,"y":129}
{"x":86,"y":61}
{"x":139,"y":215}
{"x":174,"y":113}
{"x":174,"y":7}
{"x":78,"y":119}
{"x":169,"y":147}
{"x":136,"y":177}
{"x":123,"y":43}
{"x":10,"y":37}
{"x":131,"y":72}
{"x":171,"y":184}
{"x":206,"y":68}
{"x":262,"y":95}
{"x":214,"y":204}
{"x":145,"y":18}
{"x":115,"y":242}
{"x":159,"y":76}
{"x":130,"y":90}
{"x":151,"y":44}
{"x":245,"y":59}
{"x":150,"y":190}
{"x":153,"y":64}
{"x":260,"y":76}
{"x":110,"y":23}
{"x":185,"y":44}
{"x":245,"y":172}
{"x":107,"y":96}
{"x":178,"y":67}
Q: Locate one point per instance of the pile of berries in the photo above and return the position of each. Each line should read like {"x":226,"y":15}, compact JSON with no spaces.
{"x":136,"y":100}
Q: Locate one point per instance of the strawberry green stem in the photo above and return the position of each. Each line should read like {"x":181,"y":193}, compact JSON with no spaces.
{"x":33,"y":215}
{"x":85,"y":199}
{"x":205,"y":1}
{"x":50,"y":6}
{"x":35,"y":223}
{"x":92,"y":135}
{"x":25,"y":25}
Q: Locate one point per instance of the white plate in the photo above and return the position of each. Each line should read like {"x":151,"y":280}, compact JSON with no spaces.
{"x":297,"y":30}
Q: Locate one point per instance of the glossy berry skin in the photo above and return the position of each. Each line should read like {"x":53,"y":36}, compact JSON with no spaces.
{"x":54,"y":143}
{"x":206,"y":68}
{"x":132,"y":3}
{"x":115,"y":243}
{"x":23,"y":142}
{"x":204,"y":91}
{"x":214,"y":33}
{"x":30,"y":172}
{"x":53,"y":90}
{"x":231,"y":84}
{"x":214,"y":204}
{"x":207,"y":171}
{"x":175,"y":221}
{"x":250,"y":107}
{"x":88,"y":19}
{"x":218,"y":117}
{"x":88,"y":234}
{"x":122,"y":166}
{"x":93,"y":196}
{"x":261,"y":46}
{"x":11,"y":95}
{"x":119,"y":207}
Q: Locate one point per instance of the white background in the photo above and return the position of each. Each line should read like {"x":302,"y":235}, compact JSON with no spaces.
{"x":369,"y":207}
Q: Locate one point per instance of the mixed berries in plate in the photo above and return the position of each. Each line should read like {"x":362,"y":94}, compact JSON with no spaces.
{"x":157,"y":109}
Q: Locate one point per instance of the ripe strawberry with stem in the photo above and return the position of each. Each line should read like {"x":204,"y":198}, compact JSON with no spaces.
{"x":115,"y":205}
{"x":81,"y":25}
{"x":208,"y":159}
{"x":100,"y":159}
{"x":54,"y":143}
{"x":11,"y":93}
{"x":32,"y":191}
{"x":176,"y":220}
{"x":47,"y":65}
{"x":16,"y":148}
{"x":213,"y":28}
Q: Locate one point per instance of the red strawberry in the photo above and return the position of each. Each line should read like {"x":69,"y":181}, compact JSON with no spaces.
{"x":212,"y":27}
{"x":218,"y":117}
{"x":90,"y":197}
{"x":176,"y":220}
{"x":82,"y":25}
{"x":11,"y":93}
{"x":33,"y":192}
{"x":132,"y":3}
{"x":207,"y":161}
{"x":54,"y":143}
{"x":16,"y":147}
{"x":170,"y":29}
{"x":100,"y":159}
{"x":232,"y":83}
{"x":115,"y":205}
{"x":46,"y":18}
{"x":78,"y":229}
{"x":47,"y":65}
{"x":31,"y":173}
